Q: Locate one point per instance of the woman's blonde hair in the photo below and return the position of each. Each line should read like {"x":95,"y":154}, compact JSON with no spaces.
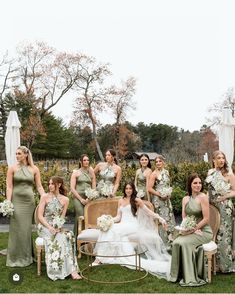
{"x":29,"y":157}
{"x":225,"y":169}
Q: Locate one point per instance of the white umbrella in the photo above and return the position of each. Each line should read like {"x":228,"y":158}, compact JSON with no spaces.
{"x":12,"y":137}
{"x":226,"y":135}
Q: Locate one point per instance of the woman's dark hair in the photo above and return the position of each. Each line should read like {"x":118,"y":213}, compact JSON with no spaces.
{"x":58,"y":180}
{"x":225,"y":169}
{"x":133,"y":196}
{"x":145,"y":155}
{"x":190,"y":180}
{"x":113,"y":153}
{"x":81,"y":159}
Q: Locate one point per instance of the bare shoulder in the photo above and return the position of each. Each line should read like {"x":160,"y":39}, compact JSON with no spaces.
{"x":65,"y":199}
{"x":185,"y":199}
{"x":203,"y":197}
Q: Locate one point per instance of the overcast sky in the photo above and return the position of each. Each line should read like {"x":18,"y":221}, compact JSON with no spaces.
{"x":181,"y":52}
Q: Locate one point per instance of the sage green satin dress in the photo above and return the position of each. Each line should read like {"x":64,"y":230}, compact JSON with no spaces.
{"x":82,"y":183}
{"x":60,"y":254}
{"x":20,"y":248}
{"x":187,"y":264}
{"x":141,"y":184}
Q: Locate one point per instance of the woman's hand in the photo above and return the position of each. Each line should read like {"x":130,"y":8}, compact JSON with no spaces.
{"x":84,"y":201}
{"x":53,"y":230}
{"x":221,"y":198}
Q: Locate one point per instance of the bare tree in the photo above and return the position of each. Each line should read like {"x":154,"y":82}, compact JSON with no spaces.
{"x":121,"y":104}
{"x":227,"y":100}
{"x":93,"y":96}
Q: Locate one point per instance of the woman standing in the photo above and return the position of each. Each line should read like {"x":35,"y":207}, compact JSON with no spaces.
{"x":159,"y":188}
{"x":187,"y":264}
{"x":221,"y":188}
{"x":142,"y":177}
{"x":81,"y":180}
{"x":20,"y":181}
{"x":59,"y":244}
{"x":110,"y":175}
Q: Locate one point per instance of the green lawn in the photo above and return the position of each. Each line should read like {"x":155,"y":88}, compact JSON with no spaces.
{"x":34,"y":284}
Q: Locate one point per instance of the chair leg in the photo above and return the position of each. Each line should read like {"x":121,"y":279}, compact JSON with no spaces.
{"x":78,"y":249}
{"x":209,"y":268}
{"x":214,"y":264}
{"x":39,"y":258}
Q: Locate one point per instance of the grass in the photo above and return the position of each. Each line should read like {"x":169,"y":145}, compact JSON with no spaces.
{"x":33,"y":284}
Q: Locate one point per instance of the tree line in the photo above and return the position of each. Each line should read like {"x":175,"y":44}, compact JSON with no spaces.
{"x":39,"y":76}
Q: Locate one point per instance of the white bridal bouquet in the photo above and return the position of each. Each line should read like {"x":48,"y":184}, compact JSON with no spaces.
{"x":6,"y":208}
{"x":58,"y":222}
{"x":188,"y":223}
{"x":91,"y":194}
{"x":104,"y":222}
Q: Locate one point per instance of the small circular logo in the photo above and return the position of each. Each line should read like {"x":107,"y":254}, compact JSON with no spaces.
{"x":16,"y":277}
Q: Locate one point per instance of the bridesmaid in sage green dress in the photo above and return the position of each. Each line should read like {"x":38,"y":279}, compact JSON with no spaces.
{"x":109,"y":174}
{"x":160,"y":190}
{"x":60,"y":249}
{"x":81,"y":179}
{"x":20,"y":181}
{"x":187,"y":264}
{"x":221,"y":188}
{"x":142,"y":177}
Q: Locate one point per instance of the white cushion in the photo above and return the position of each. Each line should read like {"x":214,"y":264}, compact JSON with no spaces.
{"x":89,"y":234}
{"x":209,"y":246}
{"x":39,"y":241}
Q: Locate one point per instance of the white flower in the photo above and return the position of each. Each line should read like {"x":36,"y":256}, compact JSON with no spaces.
{"x":6,"y":208}
{"x":58,"y":222}
{"x":104,"y":222}
{"x":91,"y":193}
{"x":54,"y":265}
{"x":189,"y":222}
{"x":55,"y":255}
{"x":165,"y":191}
{"x":140,"y":194}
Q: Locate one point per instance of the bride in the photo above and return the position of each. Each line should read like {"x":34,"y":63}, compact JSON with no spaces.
{"x":134,"y":221}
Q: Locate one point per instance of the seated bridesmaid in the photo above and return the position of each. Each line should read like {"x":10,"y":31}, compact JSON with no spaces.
{"x":59,"y":244}
{"x":187,"y":264}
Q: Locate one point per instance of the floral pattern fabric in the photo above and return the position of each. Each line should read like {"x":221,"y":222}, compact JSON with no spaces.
{"x":141,"y":185}
{"x":217,"y":187}
{"x":164,"y":208}
{"x":60,"y":248}
{"x":106,"y":183}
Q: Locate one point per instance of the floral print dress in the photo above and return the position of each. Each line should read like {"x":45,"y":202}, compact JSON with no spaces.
{"x":164,"y":207}
{"x":217,"y":187}
{"x":106,"y":183}
{"x":59,"y":249}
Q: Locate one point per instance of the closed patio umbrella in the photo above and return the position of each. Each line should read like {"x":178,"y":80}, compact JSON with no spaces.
{"x":226,"y":135}
{"x":12,"y":137}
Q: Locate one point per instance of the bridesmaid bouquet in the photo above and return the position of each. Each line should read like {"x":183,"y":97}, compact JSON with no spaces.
{"x":58,"y":222}
{"x":91,"y":194}
{"x":165,"y":191}
{"x":188,"y":223}
{"x":104,"y":222}
{"x":140,"y":194}
{"x":6,"y":208}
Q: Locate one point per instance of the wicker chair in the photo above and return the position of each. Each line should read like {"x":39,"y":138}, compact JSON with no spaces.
{"x":210,"y":249}
{"x":92,"y":211}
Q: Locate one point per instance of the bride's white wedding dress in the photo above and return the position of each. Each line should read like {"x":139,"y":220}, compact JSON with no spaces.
{"x":117,"y":242}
